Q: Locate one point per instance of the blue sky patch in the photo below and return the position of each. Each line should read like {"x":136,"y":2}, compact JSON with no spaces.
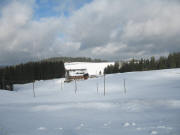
{"x":52,"y":8}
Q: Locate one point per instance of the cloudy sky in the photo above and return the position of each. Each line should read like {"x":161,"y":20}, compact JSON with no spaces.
{"x":107,"y":29}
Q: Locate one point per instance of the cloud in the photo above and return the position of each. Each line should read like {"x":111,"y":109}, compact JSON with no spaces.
{"x":146,"y":27}
{"x":101,"y":28}
{"x":109,"y":49}
{"x":21,"y":37}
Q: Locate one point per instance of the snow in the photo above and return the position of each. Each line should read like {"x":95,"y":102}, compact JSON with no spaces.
{"x":133,"y":124}
{"x":154,"y":132}
{"x":127,"y":124}
{"x":150,"y":106}
{"x":41,"y":128}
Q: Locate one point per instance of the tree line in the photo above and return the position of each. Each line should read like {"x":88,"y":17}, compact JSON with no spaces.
{"x":31,"y":71}
{"x":171,"y":61}
{"x":72,"y":59}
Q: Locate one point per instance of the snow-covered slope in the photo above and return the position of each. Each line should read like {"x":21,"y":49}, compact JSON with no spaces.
{"x":92,"y":68}
{"x":150,"y":106}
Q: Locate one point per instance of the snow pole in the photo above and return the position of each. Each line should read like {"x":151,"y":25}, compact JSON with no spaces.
{"x":125,"y":86}
{"x":61,"y":85}
{"x":104,"y":84}
{"x":97,"y":84}
{"x":34,"y":90}
{"x":75,"y":85}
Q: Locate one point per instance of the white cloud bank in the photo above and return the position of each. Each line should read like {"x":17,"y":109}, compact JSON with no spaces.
{"x":103,"y":28}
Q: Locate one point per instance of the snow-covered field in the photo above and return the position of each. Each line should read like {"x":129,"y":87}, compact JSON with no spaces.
{"x":150,"y":106}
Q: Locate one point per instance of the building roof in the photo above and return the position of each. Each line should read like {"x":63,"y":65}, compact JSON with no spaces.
{"x":83,"y":69}
{"x":76,"y":72}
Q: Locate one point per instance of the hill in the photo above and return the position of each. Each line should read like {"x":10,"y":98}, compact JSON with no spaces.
{"x":149,"y":106}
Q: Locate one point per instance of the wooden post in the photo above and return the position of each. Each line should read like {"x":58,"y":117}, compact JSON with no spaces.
{"x":61,"y":85}
{"x":125,"y":86}
{"x":75,"y":85}
{"x":33,"y":89}
{"x":104,"y":85}
{"x":97,"y":84}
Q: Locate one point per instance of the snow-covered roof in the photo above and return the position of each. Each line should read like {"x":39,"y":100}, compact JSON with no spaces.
{"x":92,"y":68}
{"x":77,"y":72}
